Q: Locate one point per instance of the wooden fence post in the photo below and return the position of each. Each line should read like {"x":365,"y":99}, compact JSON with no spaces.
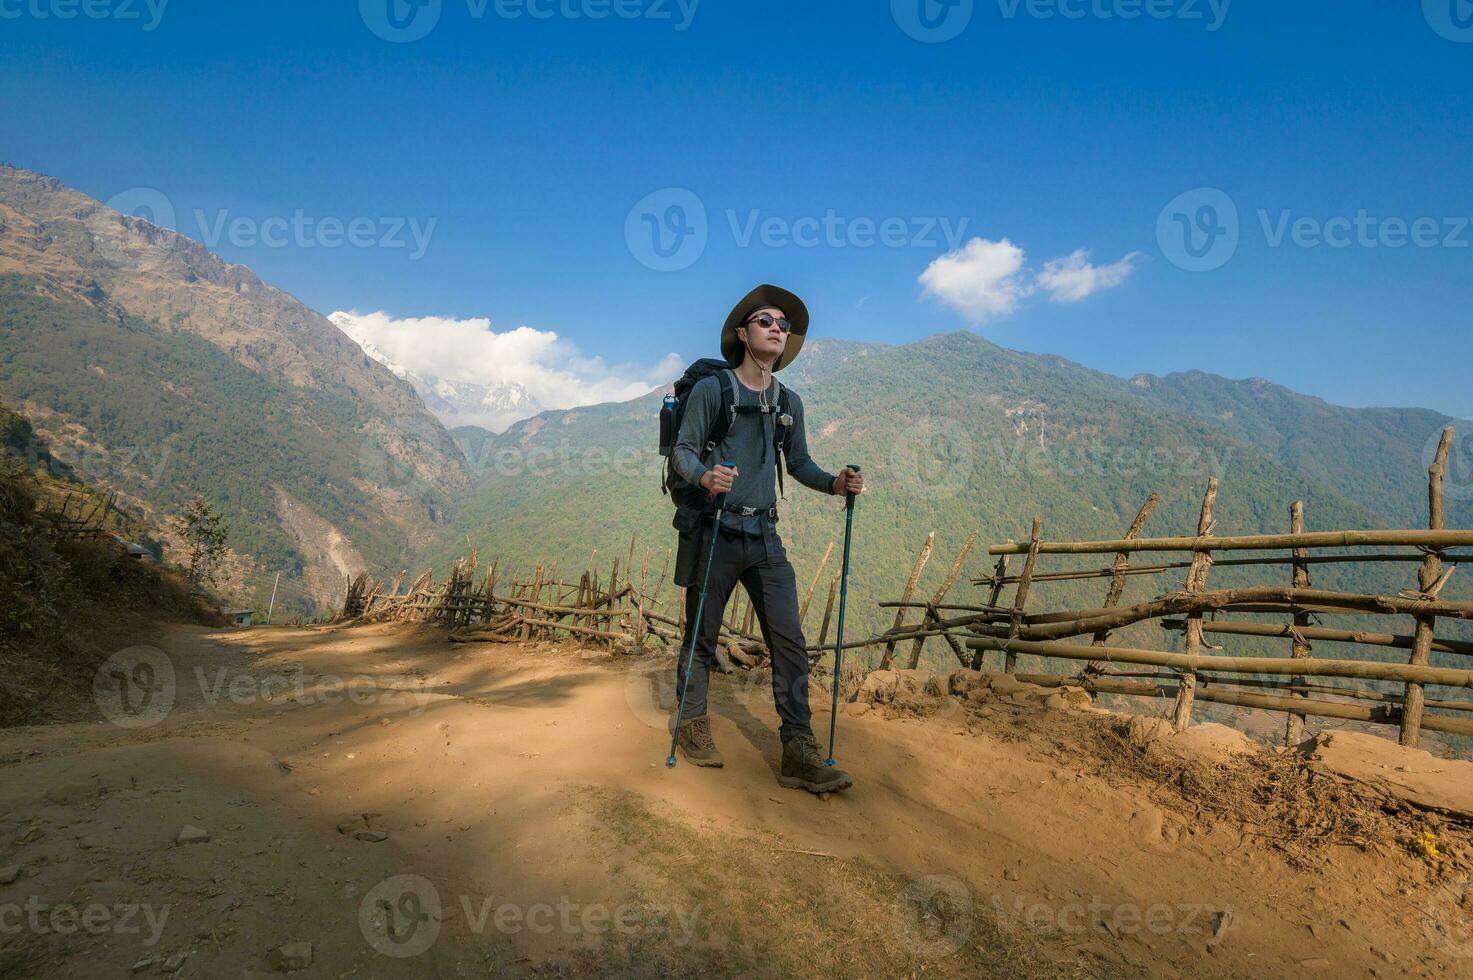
{"x":1117,"y":572}
{"x":932,"y":616}
{"x":998,"y":574}
{"x":828,"y":612}
{"x":1025,"y":585}
{"x":1427,"y":576}
{"x":534,"y":592}
{"x":910,"y":588}
{"x":1196,"y":580}
{"x":817,"y":574}
{"x":1294,"y":727}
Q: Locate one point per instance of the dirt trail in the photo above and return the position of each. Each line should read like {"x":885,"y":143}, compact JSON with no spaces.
{"x":522,"y":822}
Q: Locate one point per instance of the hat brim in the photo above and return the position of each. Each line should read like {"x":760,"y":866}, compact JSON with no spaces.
{"x":765,"y":295}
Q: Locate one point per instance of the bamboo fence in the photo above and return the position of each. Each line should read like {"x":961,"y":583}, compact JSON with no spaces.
{"x":1280,"y":684}
{"x":625,"y":613}
{"x":82,"y":514}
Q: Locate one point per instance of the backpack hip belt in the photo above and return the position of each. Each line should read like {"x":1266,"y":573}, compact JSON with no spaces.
{"x":768,"y":512}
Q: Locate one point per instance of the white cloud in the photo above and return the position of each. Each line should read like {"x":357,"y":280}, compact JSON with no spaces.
{"x":1071,"y":279}
{"x":554,"y":372}
{"x":985,"y":279}
{"x":981,"y":280}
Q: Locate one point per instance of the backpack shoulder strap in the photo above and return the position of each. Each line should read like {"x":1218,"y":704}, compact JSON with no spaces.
{"x":784,"y":433}
{"x":722,"y":425}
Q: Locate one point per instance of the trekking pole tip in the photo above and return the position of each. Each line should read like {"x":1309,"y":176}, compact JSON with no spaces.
{"x":670,"y":762}
{"x":828,"y":762}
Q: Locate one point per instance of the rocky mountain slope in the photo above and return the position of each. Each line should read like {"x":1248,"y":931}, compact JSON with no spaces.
{"x":155,"y":367}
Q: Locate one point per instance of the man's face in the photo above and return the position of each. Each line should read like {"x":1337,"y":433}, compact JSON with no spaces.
{"x":767,"y":342}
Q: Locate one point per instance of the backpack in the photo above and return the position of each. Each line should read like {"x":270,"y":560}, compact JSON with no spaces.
{"x":672,"y":413}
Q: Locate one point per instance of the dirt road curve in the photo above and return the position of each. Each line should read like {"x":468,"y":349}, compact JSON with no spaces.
{"x":374,"y":802}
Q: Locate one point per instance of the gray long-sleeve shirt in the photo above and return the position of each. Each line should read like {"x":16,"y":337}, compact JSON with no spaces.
{"x":749,"y":443}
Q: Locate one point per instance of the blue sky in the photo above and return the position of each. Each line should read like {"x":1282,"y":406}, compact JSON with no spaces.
{"x":521,"y":144}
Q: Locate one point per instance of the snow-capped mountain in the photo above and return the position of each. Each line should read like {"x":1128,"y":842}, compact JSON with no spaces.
{"x":455,"y":401}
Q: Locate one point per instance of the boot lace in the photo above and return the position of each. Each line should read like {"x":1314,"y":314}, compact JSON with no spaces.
{"x":808,"y":750}
{"x":699,"y":733}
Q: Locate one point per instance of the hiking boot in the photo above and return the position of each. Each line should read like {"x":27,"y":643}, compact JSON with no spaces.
{"x":696,"y":742}
{"x":803,"y":768}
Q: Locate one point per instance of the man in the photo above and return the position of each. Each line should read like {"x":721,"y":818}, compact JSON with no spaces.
{"x":762,"y":335}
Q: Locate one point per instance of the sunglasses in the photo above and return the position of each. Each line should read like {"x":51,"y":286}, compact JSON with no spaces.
{"x":767,"y":320}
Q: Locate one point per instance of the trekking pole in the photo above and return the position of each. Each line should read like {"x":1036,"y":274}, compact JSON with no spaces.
{"x":694,"y":626}
{"x":839,"y":635}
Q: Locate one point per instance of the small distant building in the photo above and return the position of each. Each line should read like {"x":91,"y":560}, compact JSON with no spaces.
{"x":243,"y":618}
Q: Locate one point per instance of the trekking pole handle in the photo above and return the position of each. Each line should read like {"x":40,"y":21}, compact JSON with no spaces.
{"x":721,"y":497}
{"x":849,"y":502}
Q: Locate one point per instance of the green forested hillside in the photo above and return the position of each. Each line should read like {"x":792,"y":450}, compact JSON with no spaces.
{"x":956,"y":435}
{"x":166,"y":416}
{"x":154,"y":367}
{"x":1375,"y":456}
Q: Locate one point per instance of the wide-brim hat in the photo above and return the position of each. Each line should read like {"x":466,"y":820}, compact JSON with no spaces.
{"x":765,"y":295}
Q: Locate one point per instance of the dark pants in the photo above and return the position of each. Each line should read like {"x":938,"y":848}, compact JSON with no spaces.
{"x":761,"y":565}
